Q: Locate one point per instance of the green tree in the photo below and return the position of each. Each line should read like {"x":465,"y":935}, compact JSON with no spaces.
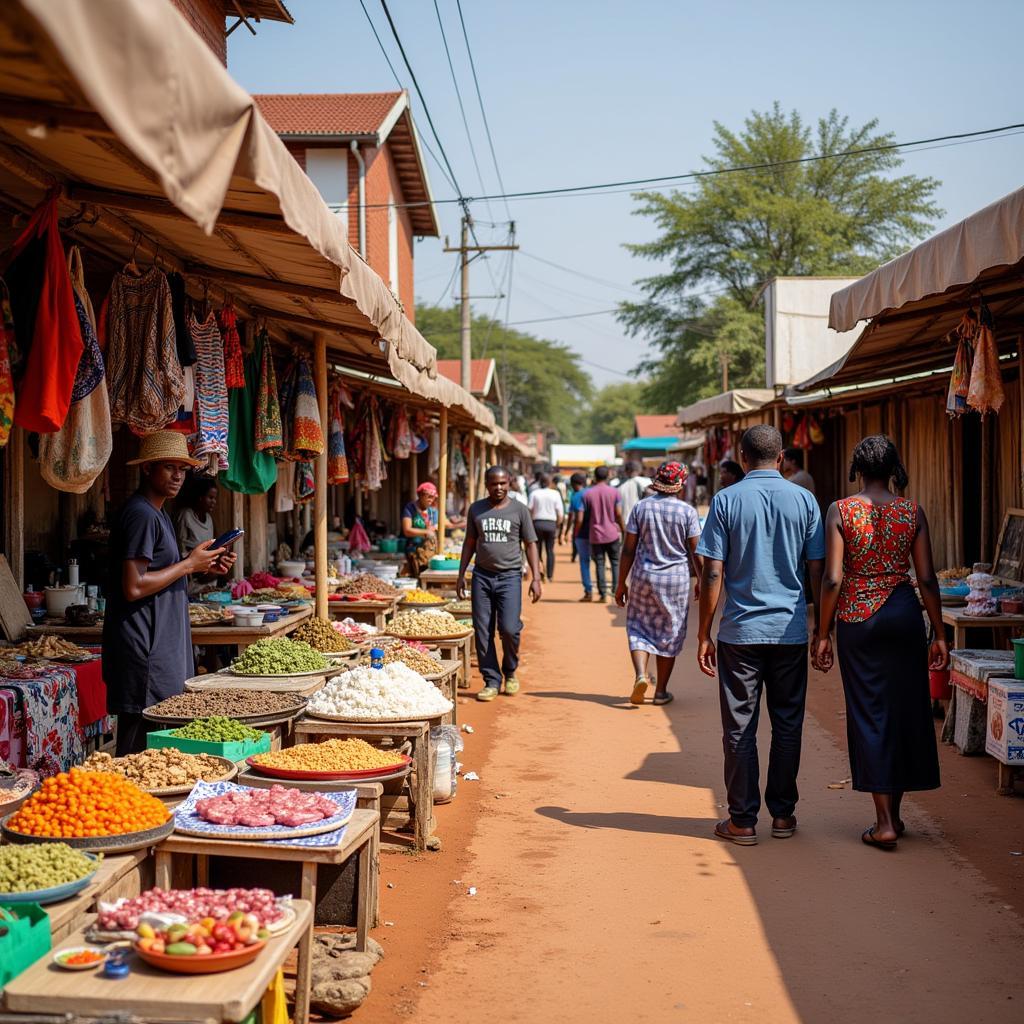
{"x":609,"y":417}
{"x":543,"y":381}
{"x":721,"y":243}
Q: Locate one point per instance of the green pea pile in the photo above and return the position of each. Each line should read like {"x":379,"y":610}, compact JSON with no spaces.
{"x":218,"y":729}
{"x":41,"y":866}
{"x":277,"y":656}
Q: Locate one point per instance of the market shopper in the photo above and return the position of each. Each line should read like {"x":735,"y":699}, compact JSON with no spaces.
{"x":194,"y":522}
{"x":793,"y":469}
{"x":660,"y":550}
{"x":147,"y":645}
{"x":419,"y":528}
{"x":884,"y":656}
{"x":603,"y":505}
{"x":729,"y":473}
{"x":496,"y":531}
{"x":632,"y":487}
{"x":547,"y":512}
{"x":581,"y":533}
{"x":760,"y":537}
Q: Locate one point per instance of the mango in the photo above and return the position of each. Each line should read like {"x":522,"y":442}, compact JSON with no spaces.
{"x":181,"y":949}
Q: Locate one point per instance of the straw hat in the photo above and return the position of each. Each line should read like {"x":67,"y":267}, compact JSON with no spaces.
{"x":164,"y":446}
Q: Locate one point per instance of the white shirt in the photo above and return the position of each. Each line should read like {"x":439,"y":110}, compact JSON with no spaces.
{"x":517,"y":496}
{"x":546,"y":505}
{"x":630,"y":492}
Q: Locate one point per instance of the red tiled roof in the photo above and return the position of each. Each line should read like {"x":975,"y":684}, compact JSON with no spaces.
{"x":479,"y":371}
{"x":360,"y":113}
{"x":655,"y":426}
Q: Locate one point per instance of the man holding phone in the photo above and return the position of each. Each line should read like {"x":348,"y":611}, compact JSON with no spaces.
{"x":147,"y":642}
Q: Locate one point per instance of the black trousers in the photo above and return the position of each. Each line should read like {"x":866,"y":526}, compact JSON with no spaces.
{"x":547,"y":534}
{"x":497,"y":607}
{"x":598,"y":552}
{"x":744,"y":670}
{"x":132,"y":731}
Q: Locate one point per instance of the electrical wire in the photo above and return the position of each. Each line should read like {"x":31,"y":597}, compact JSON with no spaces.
{"x":568,"y":316}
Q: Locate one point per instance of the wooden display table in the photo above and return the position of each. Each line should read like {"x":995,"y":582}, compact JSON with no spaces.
{"x":458,"y":651}
{"x":447,"y":681}
{"x":360,"y":839}
{"x":152,"y":994}
{"x":961,"y":622}
{"x":442,"y":579}
{"x":226,"y":636}
{"x":317,"y":730}
{"x":376,"y":613}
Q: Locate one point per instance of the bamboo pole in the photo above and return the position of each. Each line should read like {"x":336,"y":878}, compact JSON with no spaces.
{"x":442,"y":488}
{"x":1020,"y":409}
{"x":238,"y":522}
{"x":320,"y":494}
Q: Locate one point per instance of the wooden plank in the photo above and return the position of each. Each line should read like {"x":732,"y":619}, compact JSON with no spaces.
{"x":320,"y":494}
{"x":265,"y":284}
{"x":14,"y":614}
{"x":442,"y":482}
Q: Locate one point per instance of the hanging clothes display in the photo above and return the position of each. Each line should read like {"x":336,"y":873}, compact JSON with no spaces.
{"x":211,"y":393}
{"x":144,"y":377}
{"x":305,"y":482}
{"x":307,"y":437}
{"x":964,"y":334}
{"x":6,"y":372}
{"x":187,"y":354}
{"x":985,"y":393}
{"x":337,"y":462}
{"x":45,"y":321}
{"x":286,"y":403}
{"x":284,"y":488}
{"x":234,"y":370}
{"x":269,"y":436}
{"x":400,"y":436}
{"x":73,"y":457}
{"x":249,"y":471}
{"x":376,"y":456}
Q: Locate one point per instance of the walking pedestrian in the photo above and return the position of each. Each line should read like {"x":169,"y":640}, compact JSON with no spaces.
{"x":759,"y":537}
{"x":547,"y":513}
{"x":729,"y":473}
{"x":496,"y":531}
{"x":793,"y":469}
{"x":604,"y":507}
{"x":581,"y":533}
{"x":632,"y":487}
{"x":870,"y":540}
{"x":660,"y":549}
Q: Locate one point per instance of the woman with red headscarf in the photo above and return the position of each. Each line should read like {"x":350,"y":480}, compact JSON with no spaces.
{"x":419,"y":528}
{"x":661,"y":551}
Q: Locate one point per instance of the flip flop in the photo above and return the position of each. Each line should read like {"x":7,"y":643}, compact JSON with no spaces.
{"x":639,"y":689}
{"x":662,"y":698}
{"x":867,"y":837}
{"x":722,"y":832}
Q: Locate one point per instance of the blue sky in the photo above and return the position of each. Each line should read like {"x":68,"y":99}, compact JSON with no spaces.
{"x":584,"y":92}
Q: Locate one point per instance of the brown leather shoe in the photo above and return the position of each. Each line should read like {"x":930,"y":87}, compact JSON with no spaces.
{"x":586,"y":598}
{"x":735,"y":834}
{"x":783,"y":828}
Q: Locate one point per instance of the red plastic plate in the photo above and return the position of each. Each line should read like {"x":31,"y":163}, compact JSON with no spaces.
{"x":289,"y":773}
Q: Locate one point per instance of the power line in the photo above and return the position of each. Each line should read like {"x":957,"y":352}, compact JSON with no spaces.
{"x":480,"y":100}
{"x":569,"y":316}
{"x":607,"y":369}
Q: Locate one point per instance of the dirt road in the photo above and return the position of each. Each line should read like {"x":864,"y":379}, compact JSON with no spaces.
{"x":601,"y":894}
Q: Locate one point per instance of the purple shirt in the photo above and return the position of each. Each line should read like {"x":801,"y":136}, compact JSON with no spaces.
{"x":601,"y":501}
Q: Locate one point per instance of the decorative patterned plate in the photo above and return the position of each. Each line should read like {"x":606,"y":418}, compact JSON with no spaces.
{"x":188,"y":823}
{"x":97,"y":844}
{"x":54,"y":894}
{"x":366,"y":774}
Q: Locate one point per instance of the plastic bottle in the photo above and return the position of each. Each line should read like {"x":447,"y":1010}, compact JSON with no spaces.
{"x":376,"y":658}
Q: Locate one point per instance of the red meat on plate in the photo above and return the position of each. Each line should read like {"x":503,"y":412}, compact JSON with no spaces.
{"x":256,"y":808}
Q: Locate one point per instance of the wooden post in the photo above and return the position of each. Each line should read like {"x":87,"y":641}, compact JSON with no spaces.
{"x":14,"y":492}
{"x":414,"y":473}
{"x":258,"y":532}
{"x":442,"y":483}
{"x":986,"y":552}
{"x":473,"y":466}
{"x":320,"y":495}
{"x":1020,"y":404}
{"x":238,"y":522}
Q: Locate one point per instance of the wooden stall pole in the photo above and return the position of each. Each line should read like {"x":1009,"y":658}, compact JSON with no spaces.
{"x":442,"y":483}
{"x":986,"y":552}
{"x":471,"y":476}
{"x":1020,"y":401}
{"x":258,"y":532}
{"x":414,"y":474}
{"x":320,"y":494}
{"x":14,"y":491}
{"x":238,"y":521}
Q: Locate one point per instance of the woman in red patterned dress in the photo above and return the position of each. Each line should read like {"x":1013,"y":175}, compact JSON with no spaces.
{"x":884,"y":657}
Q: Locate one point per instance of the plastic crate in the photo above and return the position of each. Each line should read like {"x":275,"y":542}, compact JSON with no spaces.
{"x":444,"y":563}
{"x":234,"y":751}
{"x":26,"y":940}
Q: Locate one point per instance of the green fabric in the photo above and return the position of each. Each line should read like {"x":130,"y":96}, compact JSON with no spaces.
{"x":249,"y":471}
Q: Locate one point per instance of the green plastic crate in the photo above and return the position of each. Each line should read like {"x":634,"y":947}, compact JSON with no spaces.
{"x":234,"y":751}
{"x":27,"y":938}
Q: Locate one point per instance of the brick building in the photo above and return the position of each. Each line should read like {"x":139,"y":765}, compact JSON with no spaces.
{"x":363,"y":143}
{"x":210,"y":18}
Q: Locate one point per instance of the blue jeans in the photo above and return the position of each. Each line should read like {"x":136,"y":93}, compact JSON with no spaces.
{"x":583,"y":550}
{"x":497,"y":607}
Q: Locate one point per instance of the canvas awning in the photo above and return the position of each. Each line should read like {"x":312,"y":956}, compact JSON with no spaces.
{"x":651,"y":444}
{"x":915,"y":300}
{"x":721,"y":408}
{"x":120,"y":105}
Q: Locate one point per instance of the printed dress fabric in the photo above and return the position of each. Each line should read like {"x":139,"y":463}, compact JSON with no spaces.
{"x":211,"y":393}
{"x":53,"y":733}
{"x":883,"y":651}
{"x":234,"y":368}
{"x":337,"y":461}
{"x":659,"y":586}
{"x":144,"y":377}
{"x":269,"y":433}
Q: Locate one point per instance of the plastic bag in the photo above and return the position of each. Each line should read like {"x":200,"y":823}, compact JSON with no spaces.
{"x":447,"y":742}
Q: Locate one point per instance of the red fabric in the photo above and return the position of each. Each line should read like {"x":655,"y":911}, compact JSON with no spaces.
{"x":92,"y":692}
{"x":234,"y":367}
{"x":57,"y":345}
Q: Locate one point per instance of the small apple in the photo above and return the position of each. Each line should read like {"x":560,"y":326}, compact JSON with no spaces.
{"x":146,"y":944}
{"x":146,"y":931}
{"x":203,"y":950}
{"x":159,"y":946}
{"x":263,"y":934}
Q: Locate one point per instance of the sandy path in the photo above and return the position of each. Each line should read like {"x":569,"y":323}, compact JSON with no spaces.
{"x":601,"y":895}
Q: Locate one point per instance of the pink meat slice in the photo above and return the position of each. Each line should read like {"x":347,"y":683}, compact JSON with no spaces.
{"x":261,"y":807}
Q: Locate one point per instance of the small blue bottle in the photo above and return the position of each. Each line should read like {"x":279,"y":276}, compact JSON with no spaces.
{"x":376,"y":657}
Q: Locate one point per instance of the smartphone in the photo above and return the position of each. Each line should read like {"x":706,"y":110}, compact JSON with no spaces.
{"x":225,"y":540}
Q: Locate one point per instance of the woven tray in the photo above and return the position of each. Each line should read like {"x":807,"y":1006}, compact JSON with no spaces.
{"x":230,"y":771}
{"x":295,"y":775}
{"x":323,"y":716}
{"x":429,"y":639}
{"x":274,"y":718}
{"x":97,"y":844}
{"x":309,"y":673}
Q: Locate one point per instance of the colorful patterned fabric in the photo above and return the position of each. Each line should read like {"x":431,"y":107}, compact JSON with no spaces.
{"x":91,"y":369}
{"x":337,"y":461}
{"x":144,"y":377}
{"x":286,"y":401}
{"x":269,"y":435}
{"x":53,"y":735}
{"x":6,"y":372}
{"x":211,"y":392}
{"x":250,"y":472}
{"x":307,"y":440}
{"x":234,"y":368}
{"x":670,"y":478}
{"x":305,"y":482}
{"x":876,"y":557}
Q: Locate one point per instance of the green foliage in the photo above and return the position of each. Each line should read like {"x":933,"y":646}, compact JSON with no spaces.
{"x":609,"y":417}
{"x":544,"y":382}
{"x":733,"y":232}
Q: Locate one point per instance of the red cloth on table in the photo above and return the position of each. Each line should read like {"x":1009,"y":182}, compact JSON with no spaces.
{"x":92,"y":692}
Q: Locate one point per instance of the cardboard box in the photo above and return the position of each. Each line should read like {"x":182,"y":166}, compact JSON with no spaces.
{"x":1004,"y":735}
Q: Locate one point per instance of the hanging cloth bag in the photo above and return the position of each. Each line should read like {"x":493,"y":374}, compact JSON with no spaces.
{"x":307,"y":440}
{"x":249,"y":471}
{"x":985,"y":393}
{"x":337,"y":461}
{"x":269,"y":434}
{"x":234,"y":366}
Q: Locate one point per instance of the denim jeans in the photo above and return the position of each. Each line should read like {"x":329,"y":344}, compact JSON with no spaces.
{"x":497,"y":607}
{"x":583,"y":550}
{"x":599,"y":551}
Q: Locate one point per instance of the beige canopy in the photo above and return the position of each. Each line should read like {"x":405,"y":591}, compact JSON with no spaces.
{"x":123,"y":107}
{"x":720,"y":408}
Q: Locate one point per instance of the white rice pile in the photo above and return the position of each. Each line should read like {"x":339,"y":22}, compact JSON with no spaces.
{"x":394,"y":691}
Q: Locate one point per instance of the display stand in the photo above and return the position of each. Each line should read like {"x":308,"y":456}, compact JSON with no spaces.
{"x":960,"y":622}
{"x":457,"y":651}
{"x":376,"y":613}
{"x":441,"y":579}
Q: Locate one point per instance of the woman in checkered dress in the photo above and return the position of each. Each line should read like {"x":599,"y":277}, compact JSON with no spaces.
{"x":661,"y":550}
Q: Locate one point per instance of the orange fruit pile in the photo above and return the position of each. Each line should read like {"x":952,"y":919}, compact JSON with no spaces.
{"x":83,"y":803}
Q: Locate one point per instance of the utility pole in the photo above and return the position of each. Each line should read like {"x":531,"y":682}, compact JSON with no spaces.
{"x":466,"y":328}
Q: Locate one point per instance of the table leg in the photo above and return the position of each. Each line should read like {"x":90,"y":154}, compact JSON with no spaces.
{"x":162,"y":869}
{"x":364,"y":908}
{"x":424,"y":790}
{"x":304,"y":967}
{"x":202,"y":870}
{"x":465,"y":661}
{"x":1004,"y":779}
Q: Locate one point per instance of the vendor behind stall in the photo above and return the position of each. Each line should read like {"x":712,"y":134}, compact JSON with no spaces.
{"x":147,"y":647}
{"x":419,"y":528}
{"x":194,"y":520}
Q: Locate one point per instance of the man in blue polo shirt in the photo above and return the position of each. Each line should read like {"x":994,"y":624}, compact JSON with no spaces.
{"x":760,"y":536}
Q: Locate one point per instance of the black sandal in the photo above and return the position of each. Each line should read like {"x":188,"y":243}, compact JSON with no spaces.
{"x":868,"y":838}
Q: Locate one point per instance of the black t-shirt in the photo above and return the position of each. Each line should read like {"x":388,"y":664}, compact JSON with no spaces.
{"x":500,"y":534}
{"x":147,"y":644}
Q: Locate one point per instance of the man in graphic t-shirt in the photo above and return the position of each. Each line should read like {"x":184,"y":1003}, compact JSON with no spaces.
{"x":496,"y":530}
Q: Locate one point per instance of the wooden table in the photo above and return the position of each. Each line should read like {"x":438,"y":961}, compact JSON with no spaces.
{"x":441,"y":579}
{"x":153,"y":994}
{"x":228,"y":636}
{"x":317,"y":730}
{"x":376,"y":613}
{"x":447,"y":681}
{"x":457,"y":651}
{"x":961,"y":622}
{"x":360,"y":839}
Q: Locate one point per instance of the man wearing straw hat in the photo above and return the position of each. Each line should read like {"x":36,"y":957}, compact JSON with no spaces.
{"x":147,"y":644}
